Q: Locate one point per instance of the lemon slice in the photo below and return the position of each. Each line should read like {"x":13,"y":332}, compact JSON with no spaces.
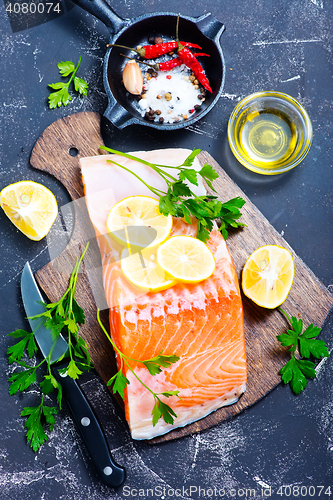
{"x":268,"y":275}
{"x":136,"y":221}
{"x":31,"y":207}
{"x":186,"y":259}
{"x":142,"y":270}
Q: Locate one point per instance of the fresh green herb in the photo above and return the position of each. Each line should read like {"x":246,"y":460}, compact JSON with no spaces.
{"x":65,"y":316}
{"x":35,"y":431}
{"x":21,"y":381}
{"x":297,"y":371}
{"x":119,"y":381}
{"x":62,"y":316}
{"x":180,"y":201}
{"x":62,"y":96}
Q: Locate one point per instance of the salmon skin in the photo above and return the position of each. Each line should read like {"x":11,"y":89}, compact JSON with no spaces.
{"x":201,"y":323}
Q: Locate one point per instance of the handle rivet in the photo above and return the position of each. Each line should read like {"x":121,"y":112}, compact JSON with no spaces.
{"x":107,"y":471}
{"x":85,"y":421}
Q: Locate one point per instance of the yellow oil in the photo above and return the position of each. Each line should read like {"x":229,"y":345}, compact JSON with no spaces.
{"x":267,"y":138}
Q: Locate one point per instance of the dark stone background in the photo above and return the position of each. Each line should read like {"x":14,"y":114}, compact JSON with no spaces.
{"x":283,"y":440}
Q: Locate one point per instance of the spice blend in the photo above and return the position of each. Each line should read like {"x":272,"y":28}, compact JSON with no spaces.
{"x":170,"y":96}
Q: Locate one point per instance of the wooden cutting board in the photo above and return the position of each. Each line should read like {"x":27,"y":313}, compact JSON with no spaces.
{"x":57,"y":152}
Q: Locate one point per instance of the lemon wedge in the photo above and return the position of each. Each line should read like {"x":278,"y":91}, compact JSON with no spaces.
{"x":31,"y":207}
{"x":186,"y":259}
{"x":142,"y":270}
{"x":137,"y":222}
{"x":268,"y":275}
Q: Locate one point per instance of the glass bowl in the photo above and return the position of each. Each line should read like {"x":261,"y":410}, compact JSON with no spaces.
{"x":269,"y":132}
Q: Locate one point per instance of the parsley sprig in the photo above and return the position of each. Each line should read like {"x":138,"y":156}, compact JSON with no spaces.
{"x":63,"y":316}
{"x":180,"y":201}
{"x":296,"y":371}
{"x":154,"y":365}
{"x":62,"y":96}
{"x":66,"y":315}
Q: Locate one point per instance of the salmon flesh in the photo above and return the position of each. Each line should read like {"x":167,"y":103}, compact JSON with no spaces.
{"x":201,"y":323}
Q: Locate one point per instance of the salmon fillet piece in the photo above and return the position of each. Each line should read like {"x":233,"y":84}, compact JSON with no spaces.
{"x":201,"y":323}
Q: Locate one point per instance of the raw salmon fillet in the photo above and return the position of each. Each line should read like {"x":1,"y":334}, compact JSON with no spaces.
{"x":201,"y":323}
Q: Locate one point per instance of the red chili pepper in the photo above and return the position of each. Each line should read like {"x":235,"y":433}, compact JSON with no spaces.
{"x":153,"y":51}
{"x":173,"y":63}
{"x":168,"y":65}
{"x":198,"y":54}
{"x":191,"y":62}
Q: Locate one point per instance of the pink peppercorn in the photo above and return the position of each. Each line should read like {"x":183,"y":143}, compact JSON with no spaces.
{"x":169,"y":77}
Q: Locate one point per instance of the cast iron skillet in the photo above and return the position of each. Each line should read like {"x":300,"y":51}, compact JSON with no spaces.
{"x":205,"y":31}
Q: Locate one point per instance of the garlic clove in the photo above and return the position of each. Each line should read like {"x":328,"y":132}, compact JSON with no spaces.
{"x":132,"y":78}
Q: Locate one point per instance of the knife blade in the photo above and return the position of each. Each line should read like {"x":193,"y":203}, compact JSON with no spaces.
{"x":83,"y":415}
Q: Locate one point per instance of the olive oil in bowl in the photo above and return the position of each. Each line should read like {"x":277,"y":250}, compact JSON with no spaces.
{"x":269,"y":132}
{"x":267,"y":137}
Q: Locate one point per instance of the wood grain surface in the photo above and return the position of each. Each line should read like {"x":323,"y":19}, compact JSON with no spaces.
{"x":80,"y":133}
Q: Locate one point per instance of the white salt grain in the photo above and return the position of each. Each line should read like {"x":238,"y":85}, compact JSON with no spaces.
{"x":175,"y":83}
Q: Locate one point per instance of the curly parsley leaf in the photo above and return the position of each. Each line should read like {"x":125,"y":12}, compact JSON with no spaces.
{"x":66,"y":67}
{"x":119,"y":382}
{"x":289,"y":339}
{"x":62,"y":97}
{"x":16,"y":351}
{"x":296,"y":371}
{"x":36,"y":435}
{"x":154,"y":365}
{"x":73,"y":371}
{"x":80,"y":85}
{"x":20,"y":381}
{"x":78,"y":313}
{"x":162,"y":410}
{"x":59,"y":98}
{"x":310,"y":346}
{"x":188,"y":162}
{"x":48,"y":384}
{"x":208,"y":174}
{"x":180,"y":201}
{"x":189,"y":174}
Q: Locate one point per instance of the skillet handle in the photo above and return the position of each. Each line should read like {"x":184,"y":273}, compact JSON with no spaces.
{"x":119,"y":116}
{"x":101,"y":10}
{"x":210,"y":26}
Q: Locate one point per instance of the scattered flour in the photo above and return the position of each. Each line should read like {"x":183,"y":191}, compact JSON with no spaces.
{"x":260,"y":482}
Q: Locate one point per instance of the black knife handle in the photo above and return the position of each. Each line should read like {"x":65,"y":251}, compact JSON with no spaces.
{"x":86,"y":421}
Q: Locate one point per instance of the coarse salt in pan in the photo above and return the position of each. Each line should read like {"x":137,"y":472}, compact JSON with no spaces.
{"x":170,"y":96}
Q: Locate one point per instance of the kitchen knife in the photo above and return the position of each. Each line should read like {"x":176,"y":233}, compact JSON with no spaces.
{"x":110,"y":472}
